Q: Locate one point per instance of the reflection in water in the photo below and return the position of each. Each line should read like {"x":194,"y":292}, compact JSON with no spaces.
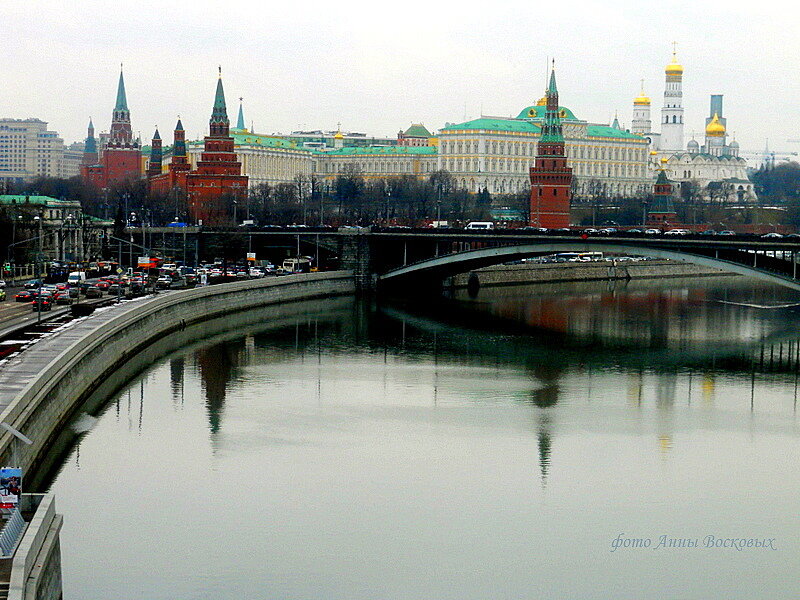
{"x":399,"y":451}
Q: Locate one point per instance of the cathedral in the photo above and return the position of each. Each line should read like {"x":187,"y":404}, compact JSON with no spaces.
{"x":711,"y":171}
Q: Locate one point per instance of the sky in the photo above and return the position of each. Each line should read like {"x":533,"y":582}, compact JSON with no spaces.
{"x":377,"y":67}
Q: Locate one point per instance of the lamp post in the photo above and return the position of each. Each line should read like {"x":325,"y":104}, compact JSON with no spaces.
{"x":39,"y":273}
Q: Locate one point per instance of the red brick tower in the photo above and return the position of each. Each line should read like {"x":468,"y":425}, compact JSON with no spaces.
{"x":217,"y":181}
{"x":122,"y":156}
{"x":91,"y":169}
{"x":179,"y":166}
{"x":154,"y":168}
{"x":551,"y":178}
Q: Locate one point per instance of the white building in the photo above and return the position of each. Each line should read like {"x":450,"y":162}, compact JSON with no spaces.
{"x":28,"y":150}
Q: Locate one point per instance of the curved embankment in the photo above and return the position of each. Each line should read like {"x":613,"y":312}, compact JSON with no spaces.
{"x":43,"y":385}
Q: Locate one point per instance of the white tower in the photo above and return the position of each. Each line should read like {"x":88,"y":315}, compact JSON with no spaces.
{"x":672,"y":113}
{"x":641,"y":123}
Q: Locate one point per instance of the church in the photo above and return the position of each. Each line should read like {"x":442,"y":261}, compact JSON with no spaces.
{"x":713,"y":171}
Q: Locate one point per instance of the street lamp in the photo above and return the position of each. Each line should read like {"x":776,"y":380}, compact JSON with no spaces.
{"x":38,"y":218}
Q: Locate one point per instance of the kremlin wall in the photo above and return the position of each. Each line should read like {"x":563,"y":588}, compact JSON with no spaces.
{"x":546,"y":150}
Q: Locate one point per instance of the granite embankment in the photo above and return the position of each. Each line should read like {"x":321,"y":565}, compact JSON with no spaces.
{"x":580,"y":271}
{"x":40,"y":387}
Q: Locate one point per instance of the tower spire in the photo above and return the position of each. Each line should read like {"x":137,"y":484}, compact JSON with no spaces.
{"x":220,"y":125}
{"x":240,"y":119}
{"x":122,"y":101}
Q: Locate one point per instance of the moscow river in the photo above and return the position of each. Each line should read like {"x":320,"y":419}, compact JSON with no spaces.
{"x":567,"y":441}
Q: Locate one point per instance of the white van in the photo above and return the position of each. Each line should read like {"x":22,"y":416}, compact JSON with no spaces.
{"x":480,"y":225}
{"x":76,"y":277}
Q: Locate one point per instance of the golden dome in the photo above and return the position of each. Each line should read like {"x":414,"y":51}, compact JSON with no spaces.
{"x":674,"y":68}
{"x":653,"y":152}
{"x":715,"y":128}
{"x":641,"y":99}
{"x":664,"y":160}
{"x":338,"y":136}
{"x":542,"y":101}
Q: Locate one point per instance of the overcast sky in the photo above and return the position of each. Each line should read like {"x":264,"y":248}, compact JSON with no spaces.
{"x":376,"y":67}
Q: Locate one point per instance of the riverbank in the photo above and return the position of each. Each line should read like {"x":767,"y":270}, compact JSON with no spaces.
{"x":41,"y":387}
{"x":580,"y":271}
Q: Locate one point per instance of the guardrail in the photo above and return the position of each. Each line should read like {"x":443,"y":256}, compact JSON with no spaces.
{"x":11,"y":533}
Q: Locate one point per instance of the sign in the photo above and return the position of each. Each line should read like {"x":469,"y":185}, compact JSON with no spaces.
{"x":251,"y":256}
{"x":119,"y":271}
{"x":10,"y":486}
{"x":143,"y":261}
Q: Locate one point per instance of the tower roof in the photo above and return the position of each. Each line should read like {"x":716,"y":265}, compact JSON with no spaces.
{"x":220,"y":112}
{"x":156,"y":135}
{"x":551,"y":88}
{"x":122,"y":101}
{"x":240,"y":119}
{"x":641,"y":99}
{"x":551,"y":127}
{"x":179,"y":125}
{"x":674,"y":68}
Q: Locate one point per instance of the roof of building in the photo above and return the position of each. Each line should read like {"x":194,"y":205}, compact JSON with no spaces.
{"x":608,"y":131}
{"x":496,"y":124}
{"x":418,"y":130}
{"x":706,"y":156}
{"x":242,"y":137}
{"x":383,"y":150}
{"x":122,"y":100}
{"x":8,"y":199}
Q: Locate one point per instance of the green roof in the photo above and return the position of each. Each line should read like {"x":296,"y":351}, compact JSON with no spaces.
{"x":537,"y":112}
{"x":611,"y":132}
{"x":382,"y":150}
{"x":490,"y":124}
{"x":23,"y":199}
{"x":417,"y":130}
{"x":240,"y":138}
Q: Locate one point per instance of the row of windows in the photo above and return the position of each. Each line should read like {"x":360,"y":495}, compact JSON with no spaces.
{"x":494,"y":165}
{"x":529,"y":149}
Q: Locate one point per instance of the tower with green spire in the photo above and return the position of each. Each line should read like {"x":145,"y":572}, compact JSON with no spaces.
{"x":551,"y":178}
{"x":121,"y":133}
{"x":154,"y":169}
{"x":219,"y":123}
{"x":240,"y":120}
{"x":217,"y":184}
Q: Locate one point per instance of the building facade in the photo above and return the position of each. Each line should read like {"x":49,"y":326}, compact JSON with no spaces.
{"x":29,"y":150}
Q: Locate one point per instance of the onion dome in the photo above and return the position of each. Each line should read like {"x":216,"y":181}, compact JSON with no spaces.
{"x":693,"y":146}
{"x":673,"y":68}
{"x":715,"y":128}
{"x":542,"y":101}
{"x":653,"y":152}
{"x":734,"y":144}
{"x":641,"y":99}
{"x":338,"y":136}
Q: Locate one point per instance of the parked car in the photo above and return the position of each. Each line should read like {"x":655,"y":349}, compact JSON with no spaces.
{"x":652,"y":231}
{"x":727,"y":232}
{"x":772,"y":234}
{"x":677,"y":232}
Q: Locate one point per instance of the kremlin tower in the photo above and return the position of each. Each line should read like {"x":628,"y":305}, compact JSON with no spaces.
{"x":217,"y":183}
{"x":551,"y":178}
{"x":672,"y":112}
{"x":175,"y":178}
{"x":121,"y":157}
{"x":155,"y":156}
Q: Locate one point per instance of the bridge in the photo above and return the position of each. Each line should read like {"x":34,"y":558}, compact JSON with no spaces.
{"x":398,"y":257}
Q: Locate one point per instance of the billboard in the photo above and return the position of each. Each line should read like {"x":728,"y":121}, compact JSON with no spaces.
{"x":10,"y":486}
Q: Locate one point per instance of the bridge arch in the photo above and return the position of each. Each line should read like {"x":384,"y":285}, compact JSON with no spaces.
{"x":460,"y":262}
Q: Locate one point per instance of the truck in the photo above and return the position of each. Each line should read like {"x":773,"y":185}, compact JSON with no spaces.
{"x":76,"y":278}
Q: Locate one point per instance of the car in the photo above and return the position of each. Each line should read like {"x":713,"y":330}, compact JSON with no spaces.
{"x":24,"y":296}
{"x":727,"y":232}
{"x":677,"y":232}
{"x":590,"y":230}
{"x":164,"y":282}
{"x":93,"y":292}
{"x":634,"y":231}
{"x":103,"y":285}
{"x":2,"y":284}
{"x":793,"y":235}
{"x":2,"y":295}
{"x":63,"y":298}
{"x":772,"y":234}
{"x":652,"y":231}
{"x":608,"y":231}
{"x":62,"y":286}
{"x":42,"y":303}
{"x":708,"y":232}
{"x":32,"y":284}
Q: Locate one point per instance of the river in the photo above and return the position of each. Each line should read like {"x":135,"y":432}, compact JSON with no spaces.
{"x":567,"y":441}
